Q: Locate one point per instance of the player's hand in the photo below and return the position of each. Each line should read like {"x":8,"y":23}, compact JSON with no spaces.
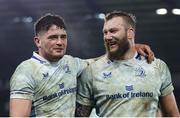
{"x":145,"y":51}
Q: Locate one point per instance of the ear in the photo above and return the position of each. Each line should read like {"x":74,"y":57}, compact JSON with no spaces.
{"x":37,"y":41}
{"x":130,"y":33}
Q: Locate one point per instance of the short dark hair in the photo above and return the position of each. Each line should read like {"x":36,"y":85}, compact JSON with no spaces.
{"x":129,"y":18}
{"x":46,"y":21}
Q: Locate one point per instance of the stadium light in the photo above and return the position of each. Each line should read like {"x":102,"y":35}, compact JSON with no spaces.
{"x":176,"y":11}
{"x":161,"y":11}
{"x":100,"y":16}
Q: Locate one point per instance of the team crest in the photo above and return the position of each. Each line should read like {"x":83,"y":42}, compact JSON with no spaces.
{"x":66,"y":68}
{"x":140,"y":72}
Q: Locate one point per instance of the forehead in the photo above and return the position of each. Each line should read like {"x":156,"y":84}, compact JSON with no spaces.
{"x":114,"y":22}
{"x":56,"y":29}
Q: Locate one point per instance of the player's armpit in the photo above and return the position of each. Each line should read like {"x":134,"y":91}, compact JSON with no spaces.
{"x":82,"y":110}
{"x":145,"y":51}
{"x":168,"y":106}
{"x":20,"y":107}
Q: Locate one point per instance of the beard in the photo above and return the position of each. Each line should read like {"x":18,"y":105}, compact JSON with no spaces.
{"x":122,"y":47}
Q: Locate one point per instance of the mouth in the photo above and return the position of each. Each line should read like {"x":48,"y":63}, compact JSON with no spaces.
{"x":112,"y":44}
{"x":58,"y":49}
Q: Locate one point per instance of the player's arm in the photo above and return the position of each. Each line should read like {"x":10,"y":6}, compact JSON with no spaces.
{"x":145,"y":51}
{"x":20,"y":107}
{"x":169,"y":106}
{"x":142,"y":49}
{"x":82,"y":110}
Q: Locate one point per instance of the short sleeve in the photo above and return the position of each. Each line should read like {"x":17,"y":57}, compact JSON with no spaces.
{"x":85,"y":88}
{"x":81,"y":65}
{"x":166,"y":87}
{"x":21,"y":83}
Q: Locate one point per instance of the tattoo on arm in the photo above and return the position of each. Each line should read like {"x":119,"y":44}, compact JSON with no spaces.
{"x":82,"y":110}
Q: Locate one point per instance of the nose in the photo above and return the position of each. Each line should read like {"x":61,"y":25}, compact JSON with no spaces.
{"x":59,"y":41}
{"x":108,"y":37}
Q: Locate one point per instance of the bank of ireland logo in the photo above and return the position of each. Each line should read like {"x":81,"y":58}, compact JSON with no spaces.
{"x":107,"y":75}
{"x":129,"y":88}
{"x":140,"y":72}
{"x":66,"y":68}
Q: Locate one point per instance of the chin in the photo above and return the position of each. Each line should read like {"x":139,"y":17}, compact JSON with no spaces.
{"x":58,"y":54}
{"x":113,"y":50}
{"x":57,"y":58}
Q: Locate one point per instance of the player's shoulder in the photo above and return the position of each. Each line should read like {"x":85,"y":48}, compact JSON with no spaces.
{"x":68,"y":57}
{"x":71,"y":58}
{"x":74,"y":61}
{"x":159,"y":63}
{"x":98,"y":63}
{"x":28,"y":65}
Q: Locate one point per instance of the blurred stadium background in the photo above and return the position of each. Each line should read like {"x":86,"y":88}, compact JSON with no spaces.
{"x":159,"y":29}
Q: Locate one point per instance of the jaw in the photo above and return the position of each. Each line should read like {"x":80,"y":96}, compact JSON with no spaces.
{"x":55,"y":55}
{"x":118,"y":51}
{"x":58,"y":53}
{"x":113,"y":48}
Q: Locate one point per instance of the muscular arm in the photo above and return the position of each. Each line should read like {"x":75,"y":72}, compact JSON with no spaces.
{"x":169,"y":106}
{"x":82,"y":110}
{"x":145,"y":51}
{"x":20,"y":107}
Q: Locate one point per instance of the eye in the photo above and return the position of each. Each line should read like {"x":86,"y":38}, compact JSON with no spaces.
{"x":53,"y":37}
{"x":63,"y":37}
{"x":113,"y":30}
{"x":105,"y":32}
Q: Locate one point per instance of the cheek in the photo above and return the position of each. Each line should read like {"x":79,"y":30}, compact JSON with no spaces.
{"x":122,"y":36}
{"x":47,"y":45}
{"x":105,"y":40}
{"x":65,"y":43}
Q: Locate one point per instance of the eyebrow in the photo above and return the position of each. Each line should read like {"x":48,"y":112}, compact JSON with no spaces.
{"x":114,"y":28}
{"x":53,"y":36}
{"x":56,"y":36}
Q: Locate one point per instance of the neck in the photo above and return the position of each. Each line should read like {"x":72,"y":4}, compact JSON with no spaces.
{"x":129,"y":54}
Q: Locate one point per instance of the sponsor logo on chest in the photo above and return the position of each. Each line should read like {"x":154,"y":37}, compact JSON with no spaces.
{"x":107,"y":75}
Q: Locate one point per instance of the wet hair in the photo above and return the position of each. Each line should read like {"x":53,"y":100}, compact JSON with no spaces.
{"x":46,"y":21}
{"x":129,"y":18}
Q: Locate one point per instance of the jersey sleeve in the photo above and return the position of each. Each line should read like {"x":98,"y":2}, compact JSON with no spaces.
{"x":166,"y":87}
{"x":85,"y":88}
{"x":22,"y":84}
{"x":81,"y":65}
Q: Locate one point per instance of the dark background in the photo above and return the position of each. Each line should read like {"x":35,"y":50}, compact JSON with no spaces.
{"x":161,"y":32}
